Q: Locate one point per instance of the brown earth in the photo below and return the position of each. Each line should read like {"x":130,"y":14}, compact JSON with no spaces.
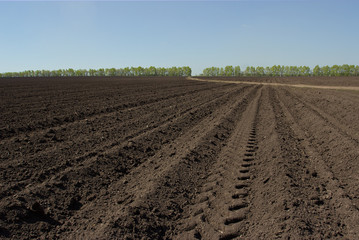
{"x":314,"y":81}
{"x":171,"y":158}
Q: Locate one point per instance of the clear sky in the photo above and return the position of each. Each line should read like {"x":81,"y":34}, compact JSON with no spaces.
{"x":55,"y":35}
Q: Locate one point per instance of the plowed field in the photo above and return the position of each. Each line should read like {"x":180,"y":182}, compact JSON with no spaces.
{"x":173,"y":158}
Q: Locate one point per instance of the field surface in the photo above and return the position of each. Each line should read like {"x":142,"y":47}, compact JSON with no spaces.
{"x":173,"y":158}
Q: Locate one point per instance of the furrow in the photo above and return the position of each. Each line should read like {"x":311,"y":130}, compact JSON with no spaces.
{"x":93,"y":136}
{"x":162,"y":127}
{"x":173,"y":183}
{"x":328,"y":119}
{"x":288,"y":193}
{"x":63,"y":121}
{"x":118,"y":162}
{"x":225,"y":211}
{"x":338,"y":150}
{"x":332,"y":196}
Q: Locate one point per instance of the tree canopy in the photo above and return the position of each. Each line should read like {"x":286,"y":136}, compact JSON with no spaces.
{"x":127,"y":71}
{"x":278,"y":70}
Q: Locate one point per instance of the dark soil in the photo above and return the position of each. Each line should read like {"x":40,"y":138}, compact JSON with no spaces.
{"x":171,"y":158}
{"x":351,"y":81}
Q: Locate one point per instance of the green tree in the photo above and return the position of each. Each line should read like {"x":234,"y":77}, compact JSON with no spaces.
{"x":260,"y":71}
{"x":247,"y":72}
{"x":187,"y":71}
{"x":152,"y":71}
{"x":326,"y":71}
{"x":229,"y":71}
{"x":345,"y":70}
{"x":253,"y":71}
{"x":356,"y":70}
{"x":317,"y":71}
{"x":92,"y":72}
{"x":268,"y":71}
{"x":111,"y":72}
{"x":237,"y":71}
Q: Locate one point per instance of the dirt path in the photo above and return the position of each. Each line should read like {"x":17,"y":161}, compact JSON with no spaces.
{"x":178,"y":159}
{"x":352,"y":88}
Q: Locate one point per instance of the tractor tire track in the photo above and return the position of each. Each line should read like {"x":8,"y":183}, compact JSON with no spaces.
{"x":106,"y":151}
{"x":102,"y":167}
{"x":102,"y":146}
{"x":229,"y":162}
{"x":299,"y":198}
{"x":221,"y":206}
{"x":175,"y":182}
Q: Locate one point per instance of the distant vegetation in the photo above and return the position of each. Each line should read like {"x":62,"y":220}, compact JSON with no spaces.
{"x":228,"y":71}
{"x":279,"y":71}
{"x":128,"y":71}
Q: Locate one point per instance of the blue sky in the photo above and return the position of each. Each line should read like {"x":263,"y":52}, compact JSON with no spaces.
{"x":53,"y":35}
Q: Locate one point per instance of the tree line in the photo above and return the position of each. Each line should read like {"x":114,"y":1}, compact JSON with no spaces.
{"x":127,"y":71}
{"x":279,"y":71}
